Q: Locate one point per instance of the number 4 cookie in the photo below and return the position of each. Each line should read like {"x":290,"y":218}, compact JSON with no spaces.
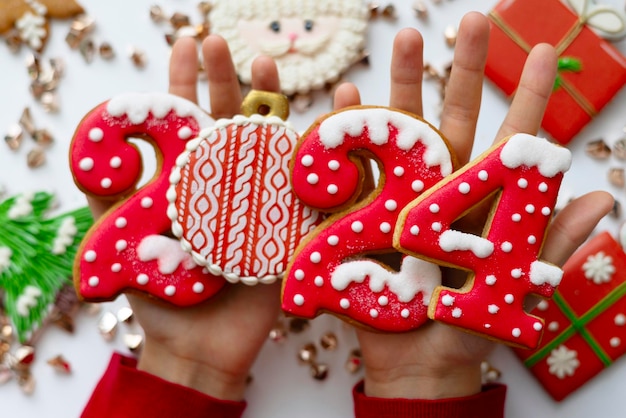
{"x":522,"y":175}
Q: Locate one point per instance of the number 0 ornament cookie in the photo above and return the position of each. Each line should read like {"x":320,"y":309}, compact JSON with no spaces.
{"x":231,"y":203}
{"x":313,"y":42}
{"x":522,"y":174}
{"x":334,"y":270}
{"x":130,"y":247}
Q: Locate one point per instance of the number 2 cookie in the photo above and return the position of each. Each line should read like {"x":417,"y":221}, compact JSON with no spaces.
{"x":335,"y":269}
{"x":130,"y":248}
{"x":231,"y":202}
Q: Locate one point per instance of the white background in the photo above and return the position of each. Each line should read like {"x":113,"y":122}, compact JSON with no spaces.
{"x":281,"y":387}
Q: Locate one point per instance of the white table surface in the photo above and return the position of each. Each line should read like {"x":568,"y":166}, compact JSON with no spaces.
{"x":281,"y":387}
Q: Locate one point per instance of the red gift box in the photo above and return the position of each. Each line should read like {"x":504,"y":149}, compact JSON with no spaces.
{"x":585,"y":319}
{"x":518,"y":25}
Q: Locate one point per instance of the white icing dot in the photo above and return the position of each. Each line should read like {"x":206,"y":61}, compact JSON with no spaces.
{"x":197,"y":287}
{"x":457,"y":312}
{"x":383,"y":301}
{"x":447,"y":300}
{"x":509,"y":298}
{"x":537,"y":326}
{"x":373,"y":313}
{"x":319,"y":281}
{"x":417,"y":186}
{"x":307,"y":160}
{"x":516,"y":332}
{"x":516,"y":217}
{"x":332,"y":189}
{"x":522,"y":183}
{"x":121,"y":245}
{"x":344,"y":303}
{"x":530,"y":208}
{"x":506,"y":247}
{"x":436,"y":226}
{"x":385,"y":227}
{"x":142,"y":279}
{"x":184,"y":132}
{"x":115,"y":162}
{"x":333,"y":240}
{"x":483,"y":175}
{"x":464,"y":188}
{"x":516,"y":273}
{"x":615,"y":342}
{"x":415,"y":230}
{"x":490,"y":280}
{"x":86,"y":164}
{"x":312,"y":178}
{"x":94,"y":281}
{"x":170,"y":290}
{"x":543,"y":187}
{"x":96,"y":134}
{"x":405,"y":313}
{"x":546,"y":211}
{"x":487,"y":326}
{"x":333,"y":165}
{"x":106,"y":183}
{"x":620,"y":320}
{"x":116,"y":268}
{"x":316,"y":257}
{"x":434,"y":208}
{"x":553,"y":326}
{"x":493,"y":309}
{"x":121,"y":222}
{"x":147,"y":202}
{"x":90,"y":256}
{"x":391,"y":205}
{"x":398,"y":171}
{"x":543,"y":305}
{"x":357,"y":226}
{"x":532,"y":239}
{"x":299,"y":274}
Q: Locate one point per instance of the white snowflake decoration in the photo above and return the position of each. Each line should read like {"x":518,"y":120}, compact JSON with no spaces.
{"x":32,"y":29}
{"x":563,"y":362}
{"x":599,"y":268}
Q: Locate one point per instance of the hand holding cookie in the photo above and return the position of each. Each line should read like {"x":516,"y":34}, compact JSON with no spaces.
{"x":211,"y":345}
{"x":439,"y":361}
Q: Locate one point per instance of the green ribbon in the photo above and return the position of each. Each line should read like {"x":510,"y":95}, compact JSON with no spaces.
{"x":578,"y":326}
{"x":570,"y":64}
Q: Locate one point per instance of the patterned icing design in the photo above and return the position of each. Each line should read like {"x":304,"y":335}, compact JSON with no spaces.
{"x":231,"y":203}
{"x":129,"y":247}
{"x":333,"y":270}
{"x":525,"y":173}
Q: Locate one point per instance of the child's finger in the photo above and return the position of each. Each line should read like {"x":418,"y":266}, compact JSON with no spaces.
{"x":184,"y":69}
{"x":224,"y":89}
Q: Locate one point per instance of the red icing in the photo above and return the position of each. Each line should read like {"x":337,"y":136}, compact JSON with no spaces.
{"x":512,"y":257}
{"x":116,"y":238}
{"x":341,"y":166}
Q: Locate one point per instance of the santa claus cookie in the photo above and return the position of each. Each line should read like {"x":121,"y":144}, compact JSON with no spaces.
{"x":522,"y":175}
{"x":231,"y":203}
{"x":313,"y":42}
{"x":334,"y":270}
{"x":130,"y":247}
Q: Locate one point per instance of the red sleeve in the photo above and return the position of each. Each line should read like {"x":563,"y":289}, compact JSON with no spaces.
{"x":489,"y":403}
{"x":124,"y":391}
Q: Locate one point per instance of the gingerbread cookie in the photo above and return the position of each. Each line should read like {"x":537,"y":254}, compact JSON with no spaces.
{"x":31,"y":18}
{"x":313,"y":42}
{"x":131,"y":247}
{"x":334,"y":270}
{"x":585,"y":320}
{"x":231,"y":203}
{"x":523,"y":174}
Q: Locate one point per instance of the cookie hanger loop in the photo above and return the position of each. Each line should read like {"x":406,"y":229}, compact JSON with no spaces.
{"x":265,"y":103}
